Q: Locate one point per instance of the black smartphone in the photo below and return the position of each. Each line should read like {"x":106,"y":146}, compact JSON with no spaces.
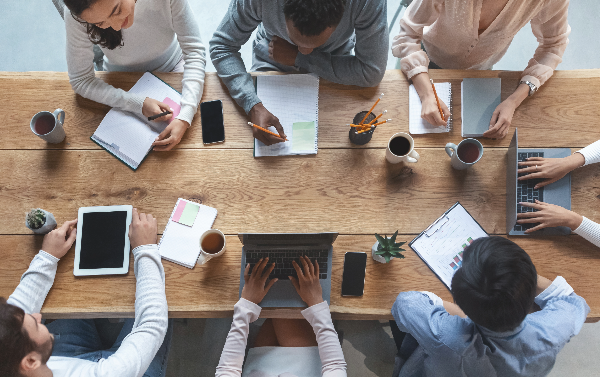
{"x":353,"y":279}
{"x":211,"y":115}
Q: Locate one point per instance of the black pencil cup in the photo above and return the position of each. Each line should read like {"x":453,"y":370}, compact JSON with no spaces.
{"x":362,"y":138}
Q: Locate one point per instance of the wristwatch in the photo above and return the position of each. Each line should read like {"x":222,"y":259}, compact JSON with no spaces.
{"x":532,"y":87}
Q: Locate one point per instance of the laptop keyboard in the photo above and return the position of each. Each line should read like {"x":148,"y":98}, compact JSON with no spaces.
{"x":283,"y":261}
{"x":526,"y":192}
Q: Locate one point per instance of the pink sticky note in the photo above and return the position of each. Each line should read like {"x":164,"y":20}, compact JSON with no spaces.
{"x":174,"y":106}
{"x":179,"y":210}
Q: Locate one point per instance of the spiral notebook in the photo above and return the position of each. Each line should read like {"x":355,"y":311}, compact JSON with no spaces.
{"x":418,"y":125}
{"x":180,"y":242}
{"x":294,"y":99}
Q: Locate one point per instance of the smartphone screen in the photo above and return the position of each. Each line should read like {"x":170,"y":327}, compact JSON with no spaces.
{"x":211,"y":115}
{"x":353,"y":279}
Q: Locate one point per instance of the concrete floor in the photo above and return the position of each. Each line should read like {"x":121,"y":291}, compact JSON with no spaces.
{"x":33,"y":39}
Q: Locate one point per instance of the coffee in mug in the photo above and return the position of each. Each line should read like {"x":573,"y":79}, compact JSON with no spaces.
{"x":401,"y":148}
{"x":212,"y":244}
{"x":465,"y":154}
{"x":49,"y":126}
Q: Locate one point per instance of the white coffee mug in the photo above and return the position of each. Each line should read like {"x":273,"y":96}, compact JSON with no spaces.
{"x":453,"y":150}
{"x":57,"y":133}
{"x":410,"y":156}
{"x":204,"y":256}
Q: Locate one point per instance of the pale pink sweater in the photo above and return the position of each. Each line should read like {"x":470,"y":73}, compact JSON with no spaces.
{"x":449,"y":32}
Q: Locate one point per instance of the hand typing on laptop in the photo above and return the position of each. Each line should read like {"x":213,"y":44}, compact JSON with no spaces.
{"x":256,"y":286}
{"x":548,"y":215}
{"x":552,"y":169}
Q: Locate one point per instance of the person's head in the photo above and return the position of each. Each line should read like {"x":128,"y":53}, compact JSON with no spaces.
{"x":310,"y":23}
{"x":104,"y":19}
{"x":496,"y":285}
{"x":25,"y":344}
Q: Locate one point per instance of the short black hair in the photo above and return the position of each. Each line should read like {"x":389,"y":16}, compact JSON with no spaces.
{"x":15,"y":343}
{"x":496,"y":285}
{"x":312,"y":17}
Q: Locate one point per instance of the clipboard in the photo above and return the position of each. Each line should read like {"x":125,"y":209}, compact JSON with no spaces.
{"x":441,"y":245}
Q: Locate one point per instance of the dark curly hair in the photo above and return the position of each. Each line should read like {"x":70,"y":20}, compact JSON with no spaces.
{"x":15,"y":343}
{"x":312,"y":17}
{"x":108,"y":38}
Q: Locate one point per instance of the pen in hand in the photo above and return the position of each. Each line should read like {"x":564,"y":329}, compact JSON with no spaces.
{"x":159,"y":115}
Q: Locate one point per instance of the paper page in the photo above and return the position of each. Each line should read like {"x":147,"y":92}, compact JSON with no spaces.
{"x":292,"y":99}
{"x":128,"y":133}
{"x":418,"y":125}
{"x":442,"y":244}
{"x":181,"y":243}
{"x":303,"y":139}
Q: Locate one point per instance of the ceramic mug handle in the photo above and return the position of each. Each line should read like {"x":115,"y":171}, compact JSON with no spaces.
{"x":451,"y":149}
{"x":413,"y":156}
{"x":59,"y":114}
{"x":203,"y":258}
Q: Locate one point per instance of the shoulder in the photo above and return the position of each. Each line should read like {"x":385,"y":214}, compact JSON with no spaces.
{"x":550,"y":8}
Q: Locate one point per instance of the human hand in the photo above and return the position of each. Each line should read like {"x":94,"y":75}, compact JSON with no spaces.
{"x":153,"y":107}
{"x":551,"y":168}
{"x":431,"y":113}
{"x":143,"y":229}
{"x":282,"y":51}
{"x":60,"y":240}
{"x":307,"y":283}
{"x":260,"y":116}
{"x":175,"y":131}
{"x":254,"y":287}
{"x":501,"y":120}
{"x":548,"y":215}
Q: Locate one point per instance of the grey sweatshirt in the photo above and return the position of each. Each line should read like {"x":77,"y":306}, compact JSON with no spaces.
{"x":362,"y":28}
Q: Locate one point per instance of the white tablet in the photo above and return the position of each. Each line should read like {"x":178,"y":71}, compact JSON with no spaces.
{"x":102,"y":245}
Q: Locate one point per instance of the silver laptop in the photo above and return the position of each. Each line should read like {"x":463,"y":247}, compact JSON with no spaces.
{"x":282,"y":248}
{"x":558,"y":193}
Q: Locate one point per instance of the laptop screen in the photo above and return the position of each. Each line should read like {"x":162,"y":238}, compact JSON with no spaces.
{"x":287,"y":238}
{"x":511,"y":183}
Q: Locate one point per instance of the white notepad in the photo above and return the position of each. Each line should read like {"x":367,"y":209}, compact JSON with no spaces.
{"x":418,"y":125}
{"x":294,"y":99}
{"x":180,"y":243}
{"x":441,"y":245}
{"x":127,"y":136}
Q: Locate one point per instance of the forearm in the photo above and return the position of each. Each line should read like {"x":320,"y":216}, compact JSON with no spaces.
{"x":345,"y":69}
{"x":35,"y":283}
{"x":422,"y":84}
{"x":454,"y":309}
{"x":542,"y":284}
{"x":519,"y":95}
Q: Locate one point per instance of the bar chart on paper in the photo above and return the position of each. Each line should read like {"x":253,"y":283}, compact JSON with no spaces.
{"x":442,"y":245}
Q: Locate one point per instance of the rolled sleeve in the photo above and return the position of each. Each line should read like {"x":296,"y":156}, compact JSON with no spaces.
{"x":589,"y":230}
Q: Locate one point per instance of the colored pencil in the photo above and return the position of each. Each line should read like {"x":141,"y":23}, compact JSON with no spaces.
{"x":438,"y":101}
{"x":376,"y":102}
{"x":159,"y":115}
{"x":377,"y":117}
{"x":264,"y":130}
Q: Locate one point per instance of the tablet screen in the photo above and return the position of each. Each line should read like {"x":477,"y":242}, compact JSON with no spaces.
{"x":103,"y":240}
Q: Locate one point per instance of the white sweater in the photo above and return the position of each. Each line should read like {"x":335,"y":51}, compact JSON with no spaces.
{"x":244,"y":312}
{"x":163,"y":32}
{"x":589,"y":229}
{"x":151,"y":315}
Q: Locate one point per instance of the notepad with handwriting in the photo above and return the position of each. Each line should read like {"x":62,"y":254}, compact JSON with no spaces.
{"x":180,"y":242}
{"x":418,"y":125}
{"x":129,"y":137}
{"x":442,"y":244}
{"x":294,"y":99}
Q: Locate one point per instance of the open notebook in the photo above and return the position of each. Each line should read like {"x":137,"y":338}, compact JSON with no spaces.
{"x":129,"y":137}
{"x":294,"y":99}
{"x":180,"y":242}
{"x":418,"y":125}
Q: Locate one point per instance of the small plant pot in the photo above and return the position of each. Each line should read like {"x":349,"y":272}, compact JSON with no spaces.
{"x":48,"y":226}
{"x":362,"y":138}
{"x":378,"y":258}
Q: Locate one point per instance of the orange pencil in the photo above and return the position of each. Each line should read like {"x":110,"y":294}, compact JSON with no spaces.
{"x":376,"y":102}
{"x":377,"y":117}
{"x":373,"y":126}
{"x":264,"y":130}
{"x":438,"y":100}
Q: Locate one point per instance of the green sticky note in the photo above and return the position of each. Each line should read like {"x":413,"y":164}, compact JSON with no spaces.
{"x":189,"y":214}
{"x":303,"y":136}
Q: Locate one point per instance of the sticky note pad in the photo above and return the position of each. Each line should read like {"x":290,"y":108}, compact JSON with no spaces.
{"x":174,"y":106}
{"x":186,"y":213}
{"x":303,"y":136}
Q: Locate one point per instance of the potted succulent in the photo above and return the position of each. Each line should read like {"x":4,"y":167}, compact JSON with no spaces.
{"x":40,"y":221}
{"x":386,"y":249}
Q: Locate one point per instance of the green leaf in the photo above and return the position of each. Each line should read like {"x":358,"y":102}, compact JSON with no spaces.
{"x":381,"y":252}
{"x":387,"y":258}
{"x":381,"y":240}
{"x":400,"y":243}
{"x":393,"y":239}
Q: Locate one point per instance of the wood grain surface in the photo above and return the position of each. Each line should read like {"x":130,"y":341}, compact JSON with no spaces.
{"x":344,"y":188}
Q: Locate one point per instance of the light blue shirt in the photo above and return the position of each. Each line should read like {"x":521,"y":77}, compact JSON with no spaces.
{"x":453,"y":346}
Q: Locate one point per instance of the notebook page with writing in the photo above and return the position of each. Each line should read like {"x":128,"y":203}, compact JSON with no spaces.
{"x":180,"y":243}
{"x":416,"y":124}
{"x":292,"y":99}
{"x":129,"y":136}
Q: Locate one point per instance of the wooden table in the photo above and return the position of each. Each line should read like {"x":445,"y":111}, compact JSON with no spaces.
{"x":344,"y":188}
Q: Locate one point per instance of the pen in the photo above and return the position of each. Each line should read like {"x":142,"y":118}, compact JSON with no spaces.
{"x":264,"y":130}
{"x":159,"y":115}
{"x":438,"y":100}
